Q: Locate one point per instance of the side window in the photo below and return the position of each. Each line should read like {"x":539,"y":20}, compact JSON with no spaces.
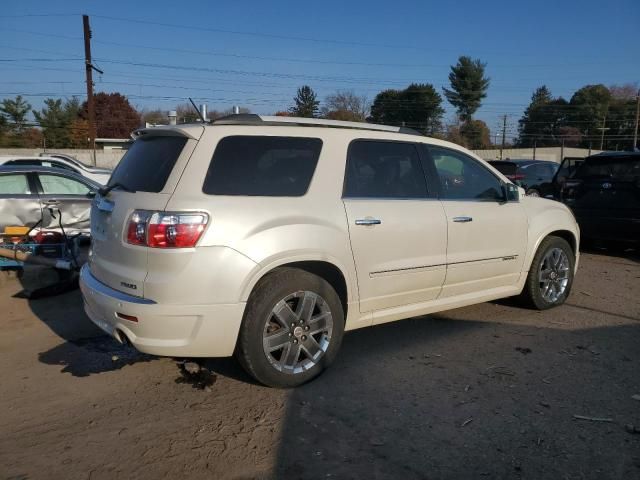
{"x":262,"y":166}
{"x":15,"y":184}
{"x":463,"y":178}
{"x":58,"y":185}
{"x":384,"y":170}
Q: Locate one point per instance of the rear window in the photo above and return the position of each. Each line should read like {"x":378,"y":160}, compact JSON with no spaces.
{"x":262,"y":166}
{"x":618,"y":168}
{"x":148,"y":163}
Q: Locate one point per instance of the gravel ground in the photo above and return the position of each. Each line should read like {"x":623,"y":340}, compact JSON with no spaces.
{"x":489,"y":391}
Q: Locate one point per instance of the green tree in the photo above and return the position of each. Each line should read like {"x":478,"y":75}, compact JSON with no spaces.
{"x":56,"y":119}
{"x":543,"y":120}
{"x":589,"y":109}
{"x":16,"y":113}
{"x":386,"y":108}
{"x":306,"y":103}
{"x":419,"y":106}
{"x":468,"y":86}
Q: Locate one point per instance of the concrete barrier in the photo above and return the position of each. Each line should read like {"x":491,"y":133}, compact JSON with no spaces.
{"x":104,"y":158}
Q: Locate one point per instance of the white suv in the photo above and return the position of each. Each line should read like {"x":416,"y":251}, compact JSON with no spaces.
{"x":268,"y":237}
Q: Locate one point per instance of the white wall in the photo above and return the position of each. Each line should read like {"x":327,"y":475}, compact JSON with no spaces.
{"x":544,"y":153}
{"x":104,"y":158}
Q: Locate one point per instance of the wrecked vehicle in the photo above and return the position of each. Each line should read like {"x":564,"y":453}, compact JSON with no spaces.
{"x":37,"y":195}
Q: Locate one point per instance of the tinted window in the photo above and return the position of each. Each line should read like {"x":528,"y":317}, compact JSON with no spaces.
{"x":148,"y":163}
{"x":24,"y":162}
{"x":14,"y":185}
{"x":463,"y":178}
{"x":57,"y":185}
{"x":262,"y":166}
{"x":384,"y":170}
{"x":618,"y":168}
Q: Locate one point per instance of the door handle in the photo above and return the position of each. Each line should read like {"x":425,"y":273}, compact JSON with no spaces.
{"x":368,"y":221}
{"x":51,"y":202}
{"x":462,"y":219}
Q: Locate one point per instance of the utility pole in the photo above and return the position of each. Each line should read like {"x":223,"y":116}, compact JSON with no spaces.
{"x":88,"y":69}
{"x":604,"y":121}
{"x":504,"y":132}
{"x":635,"y":132}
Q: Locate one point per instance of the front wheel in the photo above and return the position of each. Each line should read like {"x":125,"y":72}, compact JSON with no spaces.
{"x":292,"y":328}
{"x":551,"y":274}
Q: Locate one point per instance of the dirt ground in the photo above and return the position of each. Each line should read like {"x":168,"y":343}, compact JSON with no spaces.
{"x":490,"y":391}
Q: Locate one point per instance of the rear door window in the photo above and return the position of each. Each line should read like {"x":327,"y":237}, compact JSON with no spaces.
{"x":384,"y":170}
{"x":59,"y":185}
{"x":14,"y":184}
{"x":262,"y":166}
{"x":148,"y":163}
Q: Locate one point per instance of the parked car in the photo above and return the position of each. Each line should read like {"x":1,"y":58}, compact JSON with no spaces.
{"x":535,"y":176}
{"x":28,"y":193}
{"x":271,"y":236}
{"x":604,"y":194}
{"x":65,"y":162}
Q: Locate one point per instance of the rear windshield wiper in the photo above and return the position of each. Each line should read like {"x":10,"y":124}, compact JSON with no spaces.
{"x":104,"y":191}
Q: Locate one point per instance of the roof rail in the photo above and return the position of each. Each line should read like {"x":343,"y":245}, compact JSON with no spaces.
{"x":253,"y":119}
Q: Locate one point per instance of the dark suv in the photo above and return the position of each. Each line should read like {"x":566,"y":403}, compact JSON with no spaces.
{"x":604,"y":194}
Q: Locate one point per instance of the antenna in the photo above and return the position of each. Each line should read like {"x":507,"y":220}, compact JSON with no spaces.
{"x":196,"y":109}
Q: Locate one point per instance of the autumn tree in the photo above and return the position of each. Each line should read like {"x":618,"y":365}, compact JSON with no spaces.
{"x":306,"y":103}
{"x":115,"y":117}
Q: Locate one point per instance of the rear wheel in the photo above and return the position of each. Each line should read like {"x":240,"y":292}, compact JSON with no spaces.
{"x":292,"y":328}
{"x":551,"y":274}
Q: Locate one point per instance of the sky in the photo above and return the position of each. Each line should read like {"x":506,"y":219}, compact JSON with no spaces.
{"x":256,"y":54}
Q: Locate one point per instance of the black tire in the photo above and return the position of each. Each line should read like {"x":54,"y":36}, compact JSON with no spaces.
{"x":269,"y":291}
{"x":531,"y":294}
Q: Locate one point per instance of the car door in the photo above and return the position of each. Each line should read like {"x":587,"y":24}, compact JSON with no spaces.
{"x":487,"y":237}
{"x":19,"y":202}
{"x":67,"y":196}
{"x":397,"y":228}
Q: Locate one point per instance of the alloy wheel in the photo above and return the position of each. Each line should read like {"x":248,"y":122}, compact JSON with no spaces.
{"x":297,"y":332}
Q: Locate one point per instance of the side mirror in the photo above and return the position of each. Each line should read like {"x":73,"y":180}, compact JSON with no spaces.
{"x":510,"y":192}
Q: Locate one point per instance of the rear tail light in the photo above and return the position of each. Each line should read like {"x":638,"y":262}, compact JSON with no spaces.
{"x":166,"y":229}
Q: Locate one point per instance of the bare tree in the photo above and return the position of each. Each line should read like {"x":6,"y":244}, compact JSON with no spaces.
{"x":346,"y":105}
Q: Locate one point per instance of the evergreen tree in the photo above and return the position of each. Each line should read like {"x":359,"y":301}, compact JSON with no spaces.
{"x":16,"y":113}
{"x":306,"y":103}
{"x":468,"y":86}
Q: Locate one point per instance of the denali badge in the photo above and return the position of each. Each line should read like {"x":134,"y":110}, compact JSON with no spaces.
{"x":129,"y":285}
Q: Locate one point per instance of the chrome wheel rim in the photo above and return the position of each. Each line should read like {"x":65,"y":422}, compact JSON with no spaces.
{"x":297,"y":332}
{"x":553,"y":275}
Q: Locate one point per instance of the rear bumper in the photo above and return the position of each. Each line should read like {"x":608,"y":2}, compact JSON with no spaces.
{"x":162,"y":329}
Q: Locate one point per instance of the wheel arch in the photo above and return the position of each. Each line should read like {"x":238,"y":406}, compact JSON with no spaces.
{"x":571,"y":238}
{"x":326,"y":269}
